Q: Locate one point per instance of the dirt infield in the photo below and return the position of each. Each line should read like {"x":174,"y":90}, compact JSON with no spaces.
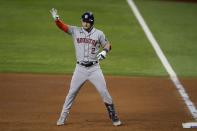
{"x":33,"y":102}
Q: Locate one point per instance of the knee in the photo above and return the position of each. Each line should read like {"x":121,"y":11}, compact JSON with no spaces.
{"x":106,"y":96}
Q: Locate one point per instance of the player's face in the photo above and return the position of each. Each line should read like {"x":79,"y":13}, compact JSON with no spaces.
{"x":86,"y":25}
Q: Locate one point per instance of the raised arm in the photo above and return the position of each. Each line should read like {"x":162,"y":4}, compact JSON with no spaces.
{"x":59,"y":23}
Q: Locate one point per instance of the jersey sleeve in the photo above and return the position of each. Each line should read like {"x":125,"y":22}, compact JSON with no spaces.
{"x":71,"y":30}
{"x":61,"y":25}
{"x":102,"y":39}
{"x":64,"y":27}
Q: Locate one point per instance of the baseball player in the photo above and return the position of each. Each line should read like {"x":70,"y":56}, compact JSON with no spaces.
{"x":87,"y":41}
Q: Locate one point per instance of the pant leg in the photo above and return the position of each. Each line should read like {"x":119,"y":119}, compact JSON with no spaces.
{"x":98,"y":81}
{"x":77,"y":81}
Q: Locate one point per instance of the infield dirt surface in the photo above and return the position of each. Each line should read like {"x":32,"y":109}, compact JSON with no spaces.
{"x":30,"y":102}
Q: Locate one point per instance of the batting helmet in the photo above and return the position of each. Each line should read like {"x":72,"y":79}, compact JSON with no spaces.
{"x":88,"y":17}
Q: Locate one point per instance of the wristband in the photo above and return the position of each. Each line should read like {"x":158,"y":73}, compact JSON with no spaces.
{"x":105,"y":49}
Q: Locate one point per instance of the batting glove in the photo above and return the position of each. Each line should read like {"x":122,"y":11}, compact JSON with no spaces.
{"x":54,"y":14}
{"x":102,"y":55}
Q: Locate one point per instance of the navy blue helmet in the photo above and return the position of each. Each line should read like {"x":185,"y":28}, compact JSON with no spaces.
{"x":88,"y":17}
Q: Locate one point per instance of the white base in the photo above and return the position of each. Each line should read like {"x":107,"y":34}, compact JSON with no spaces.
{"x":189,"y":125}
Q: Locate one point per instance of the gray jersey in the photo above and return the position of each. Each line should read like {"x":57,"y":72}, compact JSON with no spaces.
{"x":87,"y":44}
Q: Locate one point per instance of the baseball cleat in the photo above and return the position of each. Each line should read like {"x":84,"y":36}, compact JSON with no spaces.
{"x":115,"y":120}
{"x":62,"y":119}
{"x":60,"y":122}
{"x":117,"y":123}
{"x":112,"y":114}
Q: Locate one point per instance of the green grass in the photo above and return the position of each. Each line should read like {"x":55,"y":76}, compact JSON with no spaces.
{"x":174,"y":26}
{"x":31,"y":43}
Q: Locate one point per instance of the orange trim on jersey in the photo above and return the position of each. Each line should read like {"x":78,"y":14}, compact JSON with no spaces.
{"x":61,"y":25}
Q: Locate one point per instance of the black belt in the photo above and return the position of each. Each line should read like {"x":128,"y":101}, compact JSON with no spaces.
{"x":87,"y":63}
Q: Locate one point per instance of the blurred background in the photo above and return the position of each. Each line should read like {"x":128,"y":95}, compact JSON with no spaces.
{"x":30,"y":42}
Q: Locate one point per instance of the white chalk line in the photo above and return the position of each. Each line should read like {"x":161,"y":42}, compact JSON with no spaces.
{"x":164,"y":60}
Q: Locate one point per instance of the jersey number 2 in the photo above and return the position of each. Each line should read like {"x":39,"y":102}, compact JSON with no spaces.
{"x":93,"y":51}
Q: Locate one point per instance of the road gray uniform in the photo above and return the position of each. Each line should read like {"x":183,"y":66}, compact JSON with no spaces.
{"x":87,"y":47}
